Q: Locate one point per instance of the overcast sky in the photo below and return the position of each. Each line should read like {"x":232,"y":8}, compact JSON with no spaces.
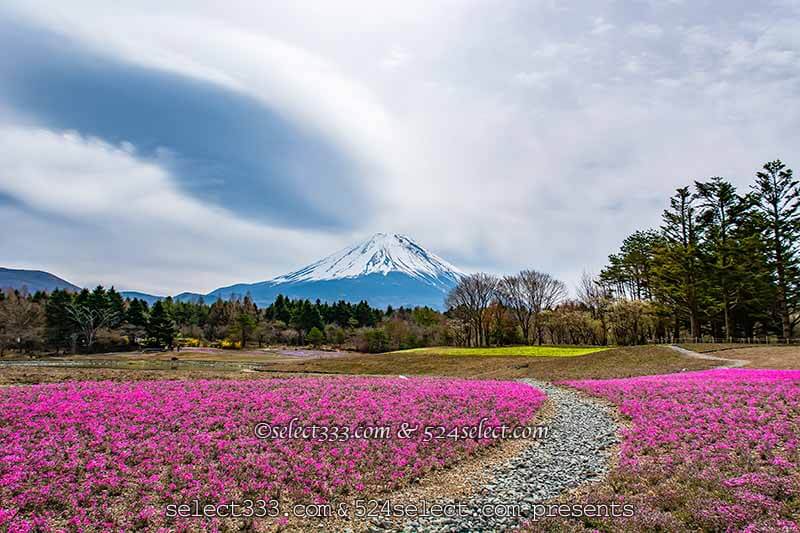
{"x":186,"y":145}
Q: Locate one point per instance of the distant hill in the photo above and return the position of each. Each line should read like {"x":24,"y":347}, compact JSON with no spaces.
{"x":189,"y":297}
{"x":33,"y":280}
{"x":149,"y":298}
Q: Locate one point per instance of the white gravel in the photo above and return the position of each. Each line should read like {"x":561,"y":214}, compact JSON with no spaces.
{"x":582,"y":433}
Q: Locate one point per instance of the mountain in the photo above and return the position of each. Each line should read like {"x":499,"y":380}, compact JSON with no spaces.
{"x":33,"y":280}
{"x":149,"y":298}
{"x":189,"y":297}
{"x":386,"y":269}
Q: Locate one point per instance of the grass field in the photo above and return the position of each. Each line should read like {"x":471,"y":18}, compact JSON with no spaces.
{"x":758,"y":356}
{"x":619,"y":362}
{"x":507,"y":351}
{"x":612,"y":363}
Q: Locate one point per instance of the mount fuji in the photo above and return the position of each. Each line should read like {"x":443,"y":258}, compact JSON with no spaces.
{"x":386,"y":269}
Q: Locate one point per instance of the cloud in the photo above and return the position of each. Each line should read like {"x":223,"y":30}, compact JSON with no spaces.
{"x":396,"y":57}
{"x":223,"y":147}
{"x":647,"y":30}
{"x":600,"y":26}
{"x":113,"y":215}
{"x":501,"y":135}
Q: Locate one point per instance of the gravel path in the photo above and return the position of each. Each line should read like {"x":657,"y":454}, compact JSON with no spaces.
{"x":577,"y":450}
{"x":732,"y":363}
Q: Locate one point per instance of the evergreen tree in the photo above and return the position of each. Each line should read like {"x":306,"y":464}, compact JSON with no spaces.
{"x":630,"y":271}
{"x":777,"y":196}
{"x":315,"y":336}
{"x":678,"y":262}
{"x":137,"y":313}
{"x":161,"y":326}
{"x":244,"y":324}
{"x":281,"y":310}
{"x":116,"y":304}
{"x":722,"y":212}
{"x":59,"y":325}
{"x":365,"y":315}
{"x":218,"y":319}
{"x":305,"y":317}
{"x":752,"y":278}
{"x":97,"y":300}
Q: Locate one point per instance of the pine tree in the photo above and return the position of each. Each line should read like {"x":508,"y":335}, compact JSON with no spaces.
{"x":722,"y":211}
{"x":305,"y":317}
{"x":59,"y":325}
{"x":678,"y":261}
{"x":116,"y":304}
{"x":777,"y":196}
{"x":137,"y":313}
{"x":98,"y":300}
{"x":629,"y":272}
{"x":244,"y":323}
{"x":281,"y":310}
{"x":752,"y":277}
{"x":161,"y":326}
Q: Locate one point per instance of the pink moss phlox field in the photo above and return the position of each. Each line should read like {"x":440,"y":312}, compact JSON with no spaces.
{"x":714,"y":450}
{"x":110,"y":456}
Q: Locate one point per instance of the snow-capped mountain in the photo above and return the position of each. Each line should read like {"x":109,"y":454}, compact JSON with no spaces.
{"x":380,"y":254}
{"x":386,"y":269}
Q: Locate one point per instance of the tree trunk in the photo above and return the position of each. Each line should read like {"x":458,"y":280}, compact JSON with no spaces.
{"x":676,"y":335}
{"x":727,"y":314}
{"x":695,"y":325}
{"x":783,"y":307}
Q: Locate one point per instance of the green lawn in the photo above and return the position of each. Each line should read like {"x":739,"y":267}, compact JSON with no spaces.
{"x":523,"y":351}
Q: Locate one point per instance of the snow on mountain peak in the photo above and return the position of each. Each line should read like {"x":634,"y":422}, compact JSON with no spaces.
{"x":380,"y":254}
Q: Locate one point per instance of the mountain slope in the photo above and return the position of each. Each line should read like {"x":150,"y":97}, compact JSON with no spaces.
{"x":386,"y":269}
{"x":380,"y":254}
{"x":33,"y":280}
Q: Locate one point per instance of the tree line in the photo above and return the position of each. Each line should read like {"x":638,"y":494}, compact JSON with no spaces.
{"x":723,"y":264}
{"x":102,"y":320}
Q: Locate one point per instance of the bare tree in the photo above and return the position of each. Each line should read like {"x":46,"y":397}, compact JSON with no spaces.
{"x":90,"y":321}
{"x":543,"y":292}
{"x":512,"y":293}
{"x":470,"y":299}
{"x":593,"y":295}
{"x":21,"y":321}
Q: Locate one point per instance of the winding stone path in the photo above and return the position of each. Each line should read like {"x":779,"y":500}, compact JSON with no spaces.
{"x":732,"y":363}
{"x":577,"y":450}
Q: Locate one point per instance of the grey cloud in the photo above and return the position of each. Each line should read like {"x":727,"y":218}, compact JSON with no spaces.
{"x":500,"y":133}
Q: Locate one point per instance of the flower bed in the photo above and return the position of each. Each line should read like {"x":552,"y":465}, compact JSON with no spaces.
{"x":113,"y":455}
{"x":717,"y":450}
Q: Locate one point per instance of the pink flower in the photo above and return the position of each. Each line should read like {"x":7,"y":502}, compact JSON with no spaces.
{"x":108,"y":455}
{"x":728,"y":438}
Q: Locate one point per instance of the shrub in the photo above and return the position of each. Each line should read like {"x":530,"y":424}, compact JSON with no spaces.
{"x":315,"y":337}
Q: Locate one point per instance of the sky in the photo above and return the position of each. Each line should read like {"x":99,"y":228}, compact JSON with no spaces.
{"x":187,"y":145}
